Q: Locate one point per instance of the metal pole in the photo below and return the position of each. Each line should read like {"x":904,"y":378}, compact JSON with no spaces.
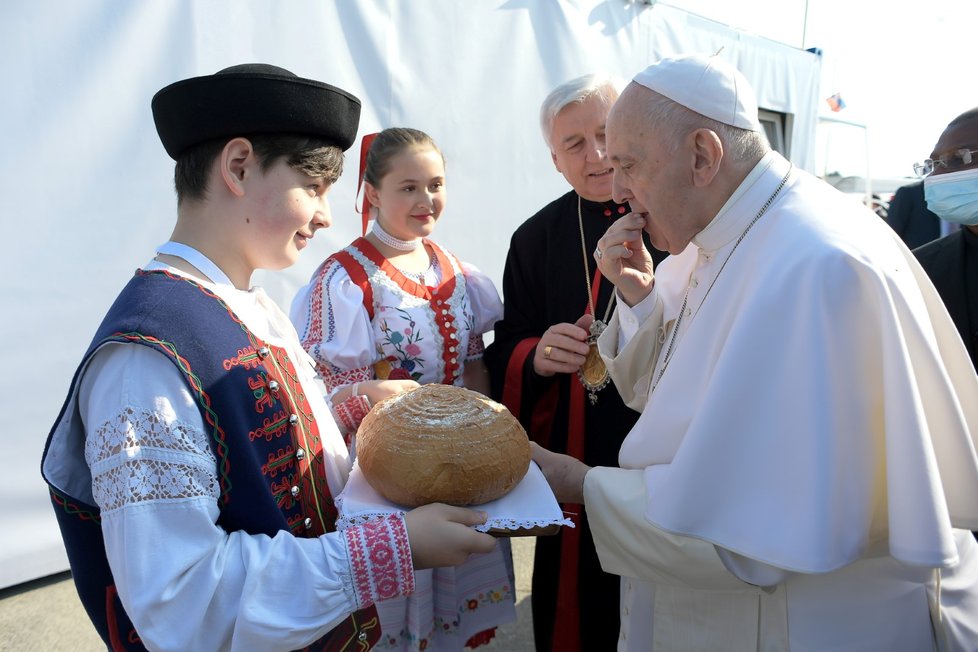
{"x":804,"y":26}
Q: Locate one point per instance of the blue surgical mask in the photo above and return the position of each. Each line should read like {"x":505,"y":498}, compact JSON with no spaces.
{"x":954,"y":196}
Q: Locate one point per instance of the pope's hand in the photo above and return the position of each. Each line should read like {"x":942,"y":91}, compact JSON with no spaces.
{"x":564,"y":474}
{"x":624,"y":260}
{"x":442,"y":535}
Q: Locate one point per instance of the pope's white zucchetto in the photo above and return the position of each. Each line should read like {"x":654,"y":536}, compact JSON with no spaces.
{"x":707,"y":85}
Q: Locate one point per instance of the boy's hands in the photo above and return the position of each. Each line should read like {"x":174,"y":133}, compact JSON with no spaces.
{"x":441,"y":535}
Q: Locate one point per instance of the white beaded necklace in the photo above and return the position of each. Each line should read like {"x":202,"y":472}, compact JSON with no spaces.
{"x":391,"y":241}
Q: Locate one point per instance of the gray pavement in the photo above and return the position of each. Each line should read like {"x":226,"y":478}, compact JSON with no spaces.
{"x":46,"y":614}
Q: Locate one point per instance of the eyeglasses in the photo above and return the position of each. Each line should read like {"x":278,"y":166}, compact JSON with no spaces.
{"x":956,"y":159}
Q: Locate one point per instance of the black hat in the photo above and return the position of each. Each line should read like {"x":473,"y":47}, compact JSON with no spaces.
{"x":252,"y":98}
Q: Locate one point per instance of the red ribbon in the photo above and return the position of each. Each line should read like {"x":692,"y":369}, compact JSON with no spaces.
{"x":567,"y":632}
{"x":567,"y":623}
{"x":513,"y":386}
{"x":365,"y":206}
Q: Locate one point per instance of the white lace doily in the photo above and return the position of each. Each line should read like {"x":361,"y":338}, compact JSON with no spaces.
{"x":530,"y":505}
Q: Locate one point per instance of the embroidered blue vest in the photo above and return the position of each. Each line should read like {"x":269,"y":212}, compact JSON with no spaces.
{"x":261,"y":430}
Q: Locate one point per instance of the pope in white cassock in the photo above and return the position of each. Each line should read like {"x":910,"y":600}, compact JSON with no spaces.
{"x":804,"y":473}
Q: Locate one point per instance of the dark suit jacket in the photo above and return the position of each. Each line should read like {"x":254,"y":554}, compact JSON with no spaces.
{"x":943,"y":260}
{"x":909,"y":217}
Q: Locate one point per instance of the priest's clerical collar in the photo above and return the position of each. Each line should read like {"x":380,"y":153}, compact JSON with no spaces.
{"x":608,"y":208}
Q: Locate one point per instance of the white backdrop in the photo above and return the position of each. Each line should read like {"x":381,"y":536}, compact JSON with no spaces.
{"x":86,"y":190}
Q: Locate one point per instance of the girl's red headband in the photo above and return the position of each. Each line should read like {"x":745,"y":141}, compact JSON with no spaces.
{"x":365,"y":206}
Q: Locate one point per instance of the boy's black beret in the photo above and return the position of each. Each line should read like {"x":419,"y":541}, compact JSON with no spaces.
{"x":252,"y":98}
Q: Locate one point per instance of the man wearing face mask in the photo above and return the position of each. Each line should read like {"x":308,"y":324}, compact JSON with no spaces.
{"x":951,"y":191}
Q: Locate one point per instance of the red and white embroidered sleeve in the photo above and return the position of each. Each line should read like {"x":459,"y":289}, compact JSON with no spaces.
{"x":334,"y":378}
{"x":349,"y":414}
{"x":476,"y":347}
{"x":380,"y":559}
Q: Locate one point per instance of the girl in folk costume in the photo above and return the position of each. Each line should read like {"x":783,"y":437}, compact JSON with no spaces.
{"x":393,"y":310}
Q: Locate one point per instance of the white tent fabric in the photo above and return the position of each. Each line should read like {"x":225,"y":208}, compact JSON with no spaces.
{"x":85,"y":190}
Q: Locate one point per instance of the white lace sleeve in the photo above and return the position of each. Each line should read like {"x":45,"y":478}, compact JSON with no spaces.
{"x":137,"y":457}
{"x":143,"y":449}
{"x":185,"y":582}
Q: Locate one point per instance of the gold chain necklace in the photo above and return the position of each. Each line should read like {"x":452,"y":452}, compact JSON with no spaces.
{"x":593,"y":373}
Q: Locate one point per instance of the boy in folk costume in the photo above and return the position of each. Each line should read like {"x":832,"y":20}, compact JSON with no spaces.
{"x":193,"y":465}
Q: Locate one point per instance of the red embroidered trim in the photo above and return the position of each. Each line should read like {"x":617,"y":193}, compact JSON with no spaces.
{"x":61,"y":500}
{"x":259,"y":386}
{"x":444,"y":289}
{"x":334,"y":379}
{"x":112,"y":622}
{"x":380,"y":560}
{"x":568,"y":601}
{"x":314,"y":332}
{"x":300,"y":456}
{"x":277,"y":460}
{"x":272,"y":427}
{"x":476,"y":347}
{"x":349,"y":414}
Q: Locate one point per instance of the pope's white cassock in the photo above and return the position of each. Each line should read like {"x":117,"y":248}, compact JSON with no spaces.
{"x":806,"y":455}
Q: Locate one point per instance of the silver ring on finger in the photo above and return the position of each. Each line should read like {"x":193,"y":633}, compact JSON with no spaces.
{"x":598,"y":254}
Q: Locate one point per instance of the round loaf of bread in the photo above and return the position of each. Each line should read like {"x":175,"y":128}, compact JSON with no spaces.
{"x":441,"y":444}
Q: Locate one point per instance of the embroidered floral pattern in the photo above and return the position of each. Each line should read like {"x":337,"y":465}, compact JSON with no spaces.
{"x":502,"y":594}
{"x":247,"y":358}
{"x":272,"y":427}
{"x":408,"y":360}
{"x":380,"y":557}
{"x":444,"y":627}
{"x":260,"y":389}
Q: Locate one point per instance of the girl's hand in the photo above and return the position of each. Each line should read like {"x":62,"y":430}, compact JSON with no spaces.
{"x":378,"y":390}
